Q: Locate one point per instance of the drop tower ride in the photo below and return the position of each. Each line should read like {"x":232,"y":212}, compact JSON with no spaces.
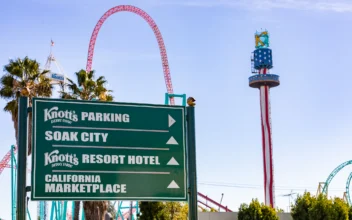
{"x":263,"y":80}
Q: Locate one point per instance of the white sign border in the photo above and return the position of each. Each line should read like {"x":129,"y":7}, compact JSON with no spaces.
{"x":34,"y":198}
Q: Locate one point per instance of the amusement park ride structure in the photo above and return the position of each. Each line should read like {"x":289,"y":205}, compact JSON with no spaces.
{"x":59,"y":209}
{"x":262,"y":62}
{"x":324,"y":186}
{"x":56,"y":77}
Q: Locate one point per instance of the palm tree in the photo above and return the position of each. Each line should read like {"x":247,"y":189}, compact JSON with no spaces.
{"x":87,"y":88}
{"x":23,"y":78}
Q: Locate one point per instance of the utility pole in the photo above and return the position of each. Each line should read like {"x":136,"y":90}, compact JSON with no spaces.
{"x":222,"y":196}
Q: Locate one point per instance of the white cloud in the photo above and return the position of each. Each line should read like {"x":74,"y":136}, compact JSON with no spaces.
{"x":319,"y":5}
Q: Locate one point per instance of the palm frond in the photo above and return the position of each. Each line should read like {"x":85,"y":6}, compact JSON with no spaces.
{"x":8,"y":80}
{"x":14,"y":68}
{"x":101,"y":81}
{"x":109,"y":98}
{"x":87,"y":88}
{"x":65,"y":95}
{"x":44,"y":88}
{"x":91,"y":74}
{"x":23,"y":78}
{"x":6,"y":93}
{"x":70,"y":81}
{"x":81,"y":77}
{"x":7,"y":86}
{"x":90,"y":84}
{"x":11,"y":106}
{"x":44,"y":72}
{"x":100,"y":78}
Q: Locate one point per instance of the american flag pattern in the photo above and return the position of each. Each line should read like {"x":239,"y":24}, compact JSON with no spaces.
{"x":267,"y":144}
{"x":263,"y":58}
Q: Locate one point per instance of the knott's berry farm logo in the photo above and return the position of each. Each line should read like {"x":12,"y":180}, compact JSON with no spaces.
{"x":55,"y":115}
{"x":60,"y":160}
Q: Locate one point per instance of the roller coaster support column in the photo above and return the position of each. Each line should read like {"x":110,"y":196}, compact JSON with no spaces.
{"x":22,"y":158}
{"x":192,"y":165}
{"x":13,"y":183}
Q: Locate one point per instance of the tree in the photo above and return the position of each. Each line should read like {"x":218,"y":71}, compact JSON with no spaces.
{"x":256,"y":211}
{"x":23,"y":78}
{"x":202,"y":209}
{"x":163,"y":211}
{"x":269,"y":213}
{"x":153,"y":211}
{"x":172,"y":209}
{"x":176,"y":210}
{"x":341,"y":209}
{"x":322,"y":209}
{"x":212,"y":210}
{"x":350,"y":213}
{"x":279,"y":210}
{"x":87,"y":88}
{"x":308,"y":207}
{"x":111,"y":210}
{"x":208,"y":209}
{"x":184,"y":212}
{"x":300,"y":210}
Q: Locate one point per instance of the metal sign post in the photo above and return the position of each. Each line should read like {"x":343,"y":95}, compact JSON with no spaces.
{"x":192,"y":165}
{"x":22,"y":140}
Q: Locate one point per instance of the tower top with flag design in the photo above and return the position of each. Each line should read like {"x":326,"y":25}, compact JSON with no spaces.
{"x":262,"y":39}
{"x":262,"y":62}
{"x":262,"y":54}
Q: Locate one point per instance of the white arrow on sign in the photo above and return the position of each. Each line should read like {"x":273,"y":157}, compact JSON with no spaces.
{"x":172,"y":162}
{"x":171,"y":121}
{"x":172,"y":141}
{"x":173,"y":185}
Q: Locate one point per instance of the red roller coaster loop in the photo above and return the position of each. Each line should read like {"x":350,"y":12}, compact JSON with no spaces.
{"x":156,"y":31}
{"x":163,"y":54}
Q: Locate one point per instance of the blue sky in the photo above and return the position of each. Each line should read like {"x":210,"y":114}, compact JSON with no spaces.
{"x":209,"y":43}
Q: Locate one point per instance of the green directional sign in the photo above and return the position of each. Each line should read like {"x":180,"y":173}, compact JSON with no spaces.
{"x":88,"y":150}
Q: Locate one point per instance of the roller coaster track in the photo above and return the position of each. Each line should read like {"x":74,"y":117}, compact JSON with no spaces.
{"x":163,"y":54}
{"x":324,"y":186}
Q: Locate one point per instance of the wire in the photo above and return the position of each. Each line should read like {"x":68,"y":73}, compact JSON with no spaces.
{"x":249,"y":186}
